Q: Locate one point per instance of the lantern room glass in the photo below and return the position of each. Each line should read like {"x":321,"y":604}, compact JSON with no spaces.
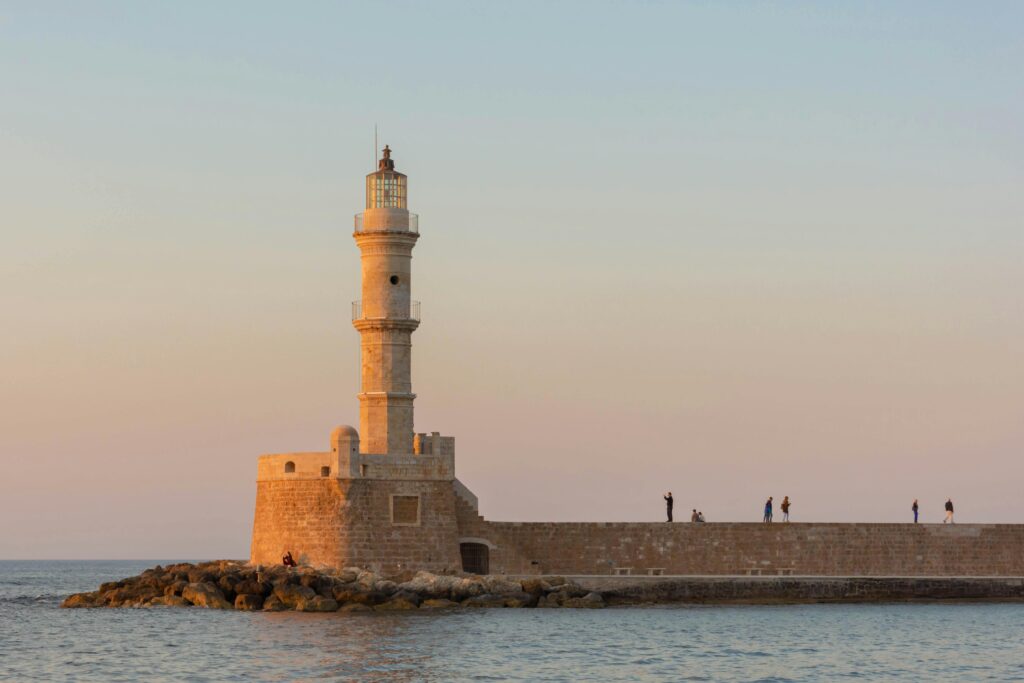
{"x":386,"y":190}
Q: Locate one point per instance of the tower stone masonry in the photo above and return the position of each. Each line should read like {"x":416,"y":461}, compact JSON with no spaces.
{"x":386,"y":317}
{"x":389,"y":500}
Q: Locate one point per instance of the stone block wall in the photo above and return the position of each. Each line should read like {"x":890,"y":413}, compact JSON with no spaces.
{"x":346,"y":522}
{"x":751,"y":548}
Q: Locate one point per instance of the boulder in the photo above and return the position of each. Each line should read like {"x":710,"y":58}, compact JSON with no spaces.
{"x":397,"y":604}
{"x":486,"y":600}
{"x":535,"y":586}
{"x":168,"y":601}
{"x":93,"y":599}
{"x":356,"y":607}
{"x":227,"y":585}
{"x":590,"y":600}
{"x":572,"y":590}
{"x":348,"y":575}
{"x":437,"y":603}
{"x":430,"y":585}
{"x":555,"y":580}
{"x":317,"y":603}
{"x":110,"y":585}
{"x":175,"y":588}
{"x":347,"y":595}
{"x":552,"y":600}
{"x":199,"y":575}
{"x":254,"y":587}
{"x":385,"y":586}
{"x":274,"y":604}
{"x":467,"y":588}
{"x":291,"y":595}
{"x":248,"y":601}
{"x":520,"y":599}
{"x":500,"y":585}
{"x":205,"y":594}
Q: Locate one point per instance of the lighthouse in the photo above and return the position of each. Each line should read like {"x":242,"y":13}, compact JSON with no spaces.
{"x":386,"y":317}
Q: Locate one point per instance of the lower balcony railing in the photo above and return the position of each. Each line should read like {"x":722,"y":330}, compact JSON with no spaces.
{"x":411,"y":313}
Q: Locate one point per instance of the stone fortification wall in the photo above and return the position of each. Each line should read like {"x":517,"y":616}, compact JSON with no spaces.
{"x":757,"y":549}
{"x":344,"y":522}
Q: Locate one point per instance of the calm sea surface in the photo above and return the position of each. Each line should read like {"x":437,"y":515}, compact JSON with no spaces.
{"x":39,"y":642}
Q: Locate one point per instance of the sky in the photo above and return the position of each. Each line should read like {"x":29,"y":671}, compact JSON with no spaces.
{"x":730,"y":250}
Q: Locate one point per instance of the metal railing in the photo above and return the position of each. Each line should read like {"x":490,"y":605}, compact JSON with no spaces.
{"x":414,"y":225}
{"x":413,"y":312}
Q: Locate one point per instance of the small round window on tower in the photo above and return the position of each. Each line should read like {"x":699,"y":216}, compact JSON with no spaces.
{"x":394,"y":279}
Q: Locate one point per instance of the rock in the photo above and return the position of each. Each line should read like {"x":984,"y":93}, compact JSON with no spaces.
{"x":430,"y":585}
{"x":590,"y":600}
{"x":536,"y":586}
{"x":397,"y":604}
{"x":356,"y":607}
{"x":555,"y":580}
{"x":486,"y":600}
{"x":500,"y":585}
{"x":168,"y":601}
{"x":572,"y":590}
{"x":110,"y":585}
{"x":437,"y":603}
{"x":94,"y":599}
{"x":348,"y":575}
{"x":317,"y":603}
{"x":323,"y":585}
{"x":227,"y":585}
{"x":249,"y":601}
{"x":254,"y":587}
{"x":521,"y":599}
{"x":367,"y":579}
{"x":359,"y":596}
{"x":552,"y":600}
{"x":205,"y":595}
{"x":467,"y":588}
{"x":386,"y":587}
{"x":199,"y":575}
{"x":274,"y":604}
{"x":291,"y":595}
{"x":175,"y":588}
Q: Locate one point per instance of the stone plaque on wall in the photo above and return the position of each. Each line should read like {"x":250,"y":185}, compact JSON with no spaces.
{"x":405,"y":510}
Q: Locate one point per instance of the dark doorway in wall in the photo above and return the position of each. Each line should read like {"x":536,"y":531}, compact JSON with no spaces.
{"x":475,"y":557}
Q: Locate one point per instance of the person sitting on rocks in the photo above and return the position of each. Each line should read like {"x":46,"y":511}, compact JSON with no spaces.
{"x":288,"y":560}
{"x":700,"y":517}
{"x":693,"y":517}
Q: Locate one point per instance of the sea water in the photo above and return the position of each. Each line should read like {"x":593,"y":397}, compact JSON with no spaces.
{"x":893,"y":642}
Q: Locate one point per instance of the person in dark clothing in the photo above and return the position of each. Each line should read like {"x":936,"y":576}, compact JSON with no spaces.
{"x":668,"y":505}
{"x":768,"y":511}
{"x":949,"y":512}
{"x":288,"y":560}
{"x":785,"y":508}
{"x":914,"y":509}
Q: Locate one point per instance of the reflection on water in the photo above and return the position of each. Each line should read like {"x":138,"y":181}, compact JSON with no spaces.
{"x":39,"y":642}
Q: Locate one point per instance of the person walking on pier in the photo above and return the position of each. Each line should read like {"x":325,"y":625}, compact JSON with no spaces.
{"x":914,"y":508}
{"x":768,"y":511}
{"x":949,"y":511}
{"x":668,"y":505}
{"x":785,"y":508}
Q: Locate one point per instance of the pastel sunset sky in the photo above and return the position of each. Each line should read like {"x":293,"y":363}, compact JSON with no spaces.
{"x":730,"y":250}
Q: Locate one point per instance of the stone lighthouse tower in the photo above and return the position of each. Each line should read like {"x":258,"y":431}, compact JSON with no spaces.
{"x":382,"y":497}
{"x":386,"y":317}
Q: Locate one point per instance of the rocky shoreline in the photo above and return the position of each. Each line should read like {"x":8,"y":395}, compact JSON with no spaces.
{"x":228,"y":584}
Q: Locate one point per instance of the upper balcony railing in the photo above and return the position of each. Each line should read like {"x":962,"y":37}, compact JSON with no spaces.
{"x":413,"y":313}
{"x":414,"y":225}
